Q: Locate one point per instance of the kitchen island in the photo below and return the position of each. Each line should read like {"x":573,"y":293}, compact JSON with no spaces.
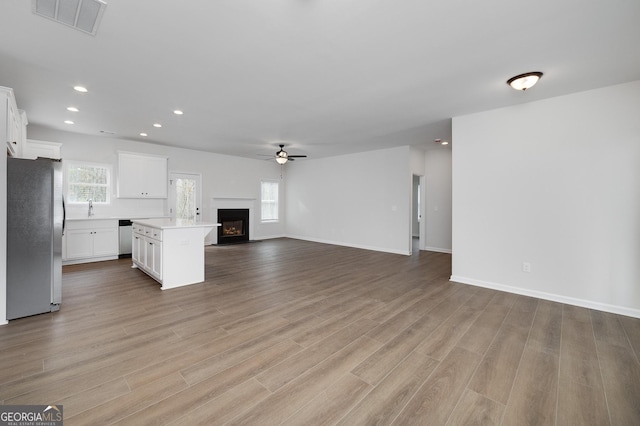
{"x":170,"y":251}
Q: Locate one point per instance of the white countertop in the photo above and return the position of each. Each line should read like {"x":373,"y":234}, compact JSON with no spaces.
{"x":167,"y":223}
{"x":116,"y":217}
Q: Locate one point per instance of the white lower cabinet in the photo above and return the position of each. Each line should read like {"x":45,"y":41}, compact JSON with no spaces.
{"x":147,"y":250}
{"x":90,"y":241}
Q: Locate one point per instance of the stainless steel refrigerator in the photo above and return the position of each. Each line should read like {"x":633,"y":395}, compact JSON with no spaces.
{"x":35,"y":222}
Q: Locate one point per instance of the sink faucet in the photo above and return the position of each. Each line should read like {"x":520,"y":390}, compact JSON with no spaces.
{"x":90,"y":207}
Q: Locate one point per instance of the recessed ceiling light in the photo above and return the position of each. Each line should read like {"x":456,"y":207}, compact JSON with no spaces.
{"x":444,"y":143}
{"x":143,"y":134}
{"x":73,"y":109}
{"x":68,"y":122}
{"x":524,"y":81}
{"x":157,"y":125}
{"x":178,"y":112}
{"x":80,"y":89}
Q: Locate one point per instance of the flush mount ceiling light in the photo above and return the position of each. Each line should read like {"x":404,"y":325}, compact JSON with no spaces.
{"x":524,"y":81}
{"x":83,"y":15}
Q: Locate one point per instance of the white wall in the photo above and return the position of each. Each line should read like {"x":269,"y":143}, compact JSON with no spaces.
{"x":222,"y":176}
{"x":555,"y":183}
{"x":358,"y":200}
{"x":437,"y":216}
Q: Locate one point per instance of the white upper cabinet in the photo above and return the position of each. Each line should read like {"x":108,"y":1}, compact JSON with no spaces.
{"x":34,"y":149}
{"x":142,"y":175}
{"x":16,"y":122}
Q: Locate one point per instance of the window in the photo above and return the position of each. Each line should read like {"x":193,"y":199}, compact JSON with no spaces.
{"x":269,"y":201}
{"x":87,"y":181}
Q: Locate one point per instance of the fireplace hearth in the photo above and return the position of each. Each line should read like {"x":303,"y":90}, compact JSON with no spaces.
{"x":234,"y":226}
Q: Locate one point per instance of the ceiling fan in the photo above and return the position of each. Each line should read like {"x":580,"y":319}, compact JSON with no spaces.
{"x":282,"y":156}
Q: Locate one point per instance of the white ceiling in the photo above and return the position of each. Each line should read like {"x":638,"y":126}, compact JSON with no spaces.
{"x":322,"y":76}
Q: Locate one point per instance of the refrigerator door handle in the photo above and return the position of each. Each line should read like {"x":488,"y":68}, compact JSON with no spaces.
{"x":64,"y":215}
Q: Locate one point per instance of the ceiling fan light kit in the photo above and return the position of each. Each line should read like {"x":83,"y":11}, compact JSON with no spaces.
{"x":282,"y":156}
{"x":524,"y":81}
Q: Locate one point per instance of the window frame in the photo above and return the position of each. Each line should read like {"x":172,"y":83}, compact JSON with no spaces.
{"x":79,"y":163}
{"x":276,"y":201}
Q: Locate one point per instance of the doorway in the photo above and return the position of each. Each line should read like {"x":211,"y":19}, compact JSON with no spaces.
{"x":417,"y":213}
{"x":184,"y":196}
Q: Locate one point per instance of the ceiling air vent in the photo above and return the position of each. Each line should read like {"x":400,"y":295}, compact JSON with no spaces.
{"x":83,"y":15}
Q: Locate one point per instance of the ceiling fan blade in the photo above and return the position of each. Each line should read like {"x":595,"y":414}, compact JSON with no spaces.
{"x":297,"y":156}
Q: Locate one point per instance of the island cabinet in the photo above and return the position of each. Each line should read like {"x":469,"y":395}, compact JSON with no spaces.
{"x":142,"y":175}
{"x":90,"y":240}
{"x":170,"y":251}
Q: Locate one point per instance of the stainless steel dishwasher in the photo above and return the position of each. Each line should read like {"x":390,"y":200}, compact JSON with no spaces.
{"x":124,"y":242}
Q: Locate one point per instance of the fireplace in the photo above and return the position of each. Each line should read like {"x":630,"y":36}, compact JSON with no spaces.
{"x":234,"y":226}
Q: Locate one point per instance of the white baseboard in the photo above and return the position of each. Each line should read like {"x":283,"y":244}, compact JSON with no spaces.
{"x":88,"y":260}
{"x":437,"y":249}
{"x":614,"y":309}
{"x":358,"y":246}
{"x":270,"y":237}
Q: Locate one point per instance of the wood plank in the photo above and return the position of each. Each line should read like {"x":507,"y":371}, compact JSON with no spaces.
{"x":534,"y":393}
{"x":475,"y":409}
{"x":445,"y":337}
{"x":281,"y":374}
{"x":118,"y":408}
{"x":225,"y":407}
{"x":290,"y":398}
{"x":387,"y":399}
{"x":194,"y":396}
{"x":621,"y":378}
{"x":434,"y":402}
{"x":546,"y":328}
{"x":632,"y":329}
{"x":497,"y":371}
{"x":581,"y":405}
{"x":332,"y":404}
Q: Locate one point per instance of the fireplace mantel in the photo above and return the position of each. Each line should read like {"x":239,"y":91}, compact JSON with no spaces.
{"x":232,"y":199}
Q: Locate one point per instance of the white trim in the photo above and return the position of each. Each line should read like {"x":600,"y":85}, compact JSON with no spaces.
{"x":358,"y":246}
{"x":271,"y":237}
{"x":67,"y":164}
{"x":88,"y":260}
{"x":437,"y":249}
{"x":614,"y":309}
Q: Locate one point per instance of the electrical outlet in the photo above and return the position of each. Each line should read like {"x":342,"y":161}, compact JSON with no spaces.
{"x":526,"y":267}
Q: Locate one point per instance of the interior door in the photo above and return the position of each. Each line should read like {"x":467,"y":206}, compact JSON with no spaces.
{"x":184,"y":196}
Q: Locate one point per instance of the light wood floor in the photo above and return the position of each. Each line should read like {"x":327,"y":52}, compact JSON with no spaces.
{"x":300,"y":333}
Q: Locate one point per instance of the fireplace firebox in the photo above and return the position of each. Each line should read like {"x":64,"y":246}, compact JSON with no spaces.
{"x":234,"y":226}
